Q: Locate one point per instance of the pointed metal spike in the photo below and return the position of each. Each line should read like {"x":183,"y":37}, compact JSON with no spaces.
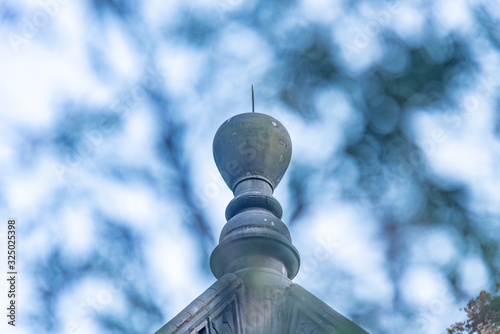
{"x":253,"y":101}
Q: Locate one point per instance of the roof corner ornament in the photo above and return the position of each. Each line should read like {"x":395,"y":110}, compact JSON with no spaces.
{"x":255,"y":260}
{"x":252,"y":152}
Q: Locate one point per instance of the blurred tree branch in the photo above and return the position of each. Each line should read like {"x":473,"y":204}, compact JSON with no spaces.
{"x":483,"y":315}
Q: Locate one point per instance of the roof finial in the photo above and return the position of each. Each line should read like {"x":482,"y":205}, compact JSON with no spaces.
{"x":253,"y":101}
{"x":252,"y":152}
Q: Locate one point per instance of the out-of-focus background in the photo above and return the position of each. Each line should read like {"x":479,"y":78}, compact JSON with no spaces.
{"x":108,"y":109}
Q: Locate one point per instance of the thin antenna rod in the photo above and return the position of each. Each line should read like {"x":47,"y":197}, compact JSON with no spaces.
{"x":253,"y":101}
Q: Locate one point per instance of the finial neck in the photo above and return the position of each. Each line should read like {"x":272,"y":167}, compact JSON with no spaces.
{"x":253,"y":184}
{"x":253,"y":193}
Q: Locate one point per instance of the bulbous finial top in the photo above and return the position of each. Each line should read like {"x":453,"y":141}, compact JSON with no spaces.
{"x":252,"y":146}
{"x":252,"y":152}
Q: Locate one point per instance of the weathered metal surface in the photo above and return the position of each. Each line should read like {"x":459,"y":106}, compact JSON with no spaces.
{"x":252,"y":145}
{"x":259,"y":301}
{"x":252,"y":152}
{"x":198,"y":315}
{"x":255,"y":259}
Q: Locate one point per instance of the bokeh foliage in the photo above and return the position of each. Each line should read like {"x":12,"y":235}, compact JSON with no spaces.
{"x":300,"y":66}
